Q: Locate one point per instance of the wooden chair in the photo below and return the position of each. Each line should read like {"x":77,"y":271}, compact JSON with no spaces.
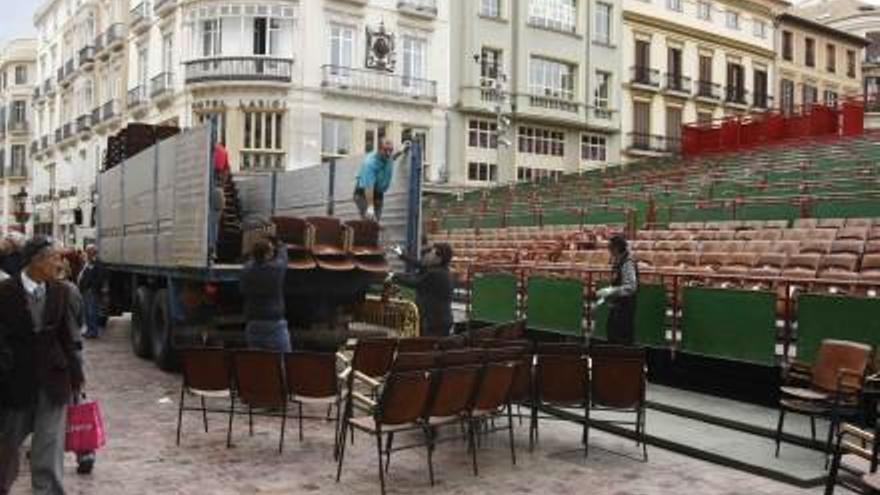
{"x":330,"y":245}
{"x":492,"y":397}
{"x":311,"y":379}
{"x":855,"y":456}
{"x":830,"y":388}
{"x":400,"y":407}
{"x":365,"y":247}
{"x":369,"y":364}
{"x":299,"y":236}
{"x":617,"y":384}
{"x":417,"y":344}
{"x":207,"y":374}
{"x":561,"y":380}
{"x":259,"y":381}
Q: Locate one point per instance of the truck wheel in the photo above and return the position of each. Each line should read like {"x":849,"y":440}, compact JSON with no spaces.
{"x":141,"y":329}
{"x":163,"y":348}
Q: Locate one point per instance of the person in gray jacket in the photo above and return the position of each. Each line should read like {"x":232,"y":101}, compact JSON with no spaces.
{"x":621,"y":294}
{"x":262,"y":287}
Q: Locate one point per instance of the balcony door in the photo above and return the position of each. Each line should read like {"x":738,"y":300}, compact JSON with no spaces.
{"x":705,"y":86}
{"x":414,"y":63}
{"x":673,"y":128}
{"x":673,"y":67}
{"x":641,"y":125}
{"x":735,"y":83}
{"x":212,"y":43}
{"x":267,"y":35}
{"x":643,"y":62}
{"x":759,"y":86}
{"x":341,"y":53}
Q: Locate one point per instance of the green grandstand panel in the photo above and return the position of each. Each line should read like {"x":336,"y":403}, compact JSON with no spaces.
{"x":767,"y":212}
{"x":835,"y":317}
{"x":493,"y":297}
{"x":556,"y":305}
{"x":650,"y":317}
{"x":730,"y":324}
{"x":843,"y":209}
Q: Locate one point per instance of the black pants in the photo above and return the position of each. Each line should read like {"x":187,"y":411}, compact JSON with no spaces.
{"x":621,"y":326}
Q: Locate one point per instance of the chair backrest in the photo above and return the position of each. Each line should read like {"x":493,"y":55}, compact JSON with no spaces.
{"x":495,"y":385}
{"x":417,"y":344}
{"x":373,"y":357}
{"x":404,"y":398}
{"x":835,"y":355}
{"x":460,"y":357}
{"x":513,"y":330}
{"x":617,"y":377}
{"x":292,"y":230}
{"x":328,"y":231}
{"x":575,"y":348}
{"x":561,"y":378}
{"x":206,"y":369}
{"x":365,"y":233}
{"x":259,"y":379}
{"x":311,"y":374}
{"x":454,"y":390}
{"x":411,"y":361}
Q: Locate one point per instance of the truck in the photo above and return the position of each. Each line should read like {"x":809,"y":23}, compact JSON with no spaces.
{"x":153,"y":239}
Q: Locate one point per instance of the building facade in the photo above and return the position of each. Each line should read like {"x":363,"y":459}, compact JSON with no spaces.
{"x":692,"y":61}
{"x":816,"y":63}
{"x":535,"y":89}
{"x":17,"y":79}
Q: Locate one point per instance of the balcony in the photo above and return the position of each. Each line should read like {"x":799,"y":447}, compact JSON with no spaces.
{"x":162,"y":8}
{"x":44,"y":143}
{"x":87,"y":58}
{"x":15,"y":171}
{"x":677,"y":84}
{"x":162,"y":86}
{"x":349,"y":80}
{"x":35,"y":147}
{"x":645,"y":77}
{"x":736,"y":96}
{"x":49,"y":87}
{"x":84,"y":124}
{"x":59,"y":136}
{"x":67,"y":133}
{"x":239,"y":69}
{"x":38,"y":95}
{"x":554,"y":103}
{"x":17,"y":126}
{"x":110,"y":113}
{"x":137,"y":97}
{"x":652,"y":144}
{"x":96,"y":116}
{"x":139,"y":18}
{"x":100,"y":46}
{"x":420,"y":8}
{"x":114,"y":37}
{"x":708,"y":90}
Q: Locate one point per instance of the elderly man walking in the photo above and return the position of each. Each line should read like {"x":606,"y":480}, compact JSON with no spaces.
{"x":39,"y":368}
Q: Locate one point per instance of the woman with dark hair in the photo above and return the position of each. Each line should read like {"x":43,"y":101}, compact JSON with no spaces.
{"x":621,"y":294}
{"x":262,"y":287}
{"x":434,"y":286}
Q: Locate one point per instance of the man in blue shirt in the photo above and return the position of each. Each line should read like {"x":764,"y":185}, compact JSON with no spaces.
{"x":374,"y":179}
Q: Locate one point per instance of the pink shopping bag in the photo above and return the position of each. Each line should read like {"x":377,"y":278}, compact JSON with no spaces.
{"x":85,"y":428}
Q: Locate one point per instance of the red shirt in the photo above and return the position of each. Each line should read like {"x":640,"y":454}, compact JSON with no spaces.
{"x":221,"y":159}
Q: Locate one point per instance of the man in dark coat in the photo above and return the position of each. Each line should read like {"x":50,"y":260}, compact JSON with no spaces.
{"x":39,"y":368}
{"x":91,"y":286}
{"x":434,"y":287}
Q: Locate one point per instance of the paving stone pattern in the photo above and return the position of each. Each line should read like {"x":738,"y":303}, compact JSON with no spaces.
{"x":140,"y":411}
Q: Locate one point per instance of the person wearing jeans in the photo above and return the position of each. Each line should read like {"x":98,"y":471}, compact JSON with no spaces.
{"x":262,"y":288}
{"x":91,"y":285}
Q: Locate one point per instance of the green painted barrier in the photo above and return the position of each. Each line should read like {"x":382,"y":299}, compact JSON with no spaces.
{"x":650,"y":317}
{"x":730,"y":324}
{"x":835,"y":317}
{"x":556,"y":305}
{"x":493,"y":297}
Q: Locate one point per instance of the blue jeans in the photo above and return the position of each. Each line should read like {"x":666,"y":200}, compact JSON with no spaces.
{"x":268,"y":335}
{"x":92,"y":312}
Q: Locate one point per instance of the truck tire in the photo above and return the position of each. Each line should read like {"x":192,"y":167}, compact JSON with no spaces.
{"x":141,"y":328}
{"x":163,"y":348}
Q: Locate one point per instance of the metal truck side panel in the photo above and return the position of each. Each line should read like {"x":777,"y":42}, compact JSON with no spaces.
{"x":165,"y":200}
{"x":192,"y":186}
{"x":110,"y":216}
{"x":139,"y":184}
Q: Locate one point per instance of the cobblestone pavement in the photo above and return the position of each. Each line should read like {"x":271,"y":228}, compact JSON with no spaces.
{"x":139,"y":405}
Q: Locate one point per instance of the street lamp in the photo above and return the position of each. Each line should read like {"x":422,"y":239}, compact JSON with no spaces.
{"x":21,"y":214}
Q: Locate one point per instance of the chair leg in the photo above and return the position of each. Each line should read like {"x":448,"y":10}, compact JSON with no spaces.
{"x":779,"y":429}
{"x":832,"y":430}
{"x":429,"y":433}
{"x":341,"y":457}
{"x":231,"y":415}
{"x":510,"y":435}
{"x":586,"y":430}
{"x":389,"y":440}
{"x":533,"y":428}
{"x":813,"y":427}
{"x":337,"y":426}
{"x":283,"y":427}
{"x":831,"y":480}
{"x":300,"y":421}
{"x":251,"y":420}
{"x":204,"y":414}
{"x":642,"y":434}
{"x":379,"y":459}
{"x":471,"y":440}
{"x":180,"y":413}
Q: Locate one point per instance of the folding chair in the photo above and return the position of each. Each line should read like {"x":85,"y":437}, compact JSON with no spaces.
{"x":259,"y":380}
{"x":207,"y":374}
{"x":617,"y":385}
{"x":311,"y":379}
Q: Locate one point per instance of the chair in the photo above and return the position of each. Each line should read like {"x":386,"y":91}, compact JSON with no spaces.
{"x":368,"y":253}
{"x":331,"y":239}
{"x":311,"y":379}
{"x":414,"y":361}
{"x":617,"y":383}
{"x":417,"y":344}
{"x":298,"y":235}
{"x":259,"y":381}
{"x":855,"y":456}
{"x":848,"y":247}
{"x":400,"y":407}
{"x":830,"y":388}
{"x":864,"y":223}
{"x":492,"y":397}
{"x":207,"y":374}
{"x":832,"y":223}
{"x":787,"y":247}
{"x":805,"y":223}
{"x":369,"y":363}
{"x":515,"y":330}
{"x":852,"y":234}
{"x":814,"y":246}
{"x":561,"y":380}
{"x":770,"y":234}
{"x":796,"y":234}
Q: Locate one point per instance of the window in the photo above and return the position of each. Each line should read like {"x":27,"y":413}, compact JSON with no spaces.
{"x":142,"y":67}
{"x":17,"y":156}
{"x":759,"y":86}
{"x":374,"y":133}
{"x":603,"y":22}
{"x":263,"y":147}
{"x":830,"y":97}
{"x":705,"y":74}
{"x":560,"y":15}
{"x":219,"y":118}
{"x":641,"y":136}
{"x":335,"y":136}
{"x":673,"y":128}
{"x":851,"y":63}
{"x":809,"y":52}
{"x":602,"y":94}
{"x":759,"y":28}
{"x":811,"y":95}
{"x":482,"y":172}
{"x":482,"y":134}
{"x":732,"y":19}
{"x":704,"y":118}
{"x":552,"y":79}
{"x":704,"y":10}
{"x":267,"y":36}
{"x":490,"y":65}
{"x":594,"y":148}
{"x":212,"y":39}
{"x":20,"y":74}
{"x":736,"y":76}
{"x":830,"y":58}
{"x":167,"y":53}
{"x":674,"y":69}
{"x":787,"y":46}
{"x":673,"y":5}
{"x":19,"y":112}
{"x":414,"y":59}
{"x":341,"y":46}
{"x":537,"y":174}
{"x":540,"y":141}
{"x":490,"y":8}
